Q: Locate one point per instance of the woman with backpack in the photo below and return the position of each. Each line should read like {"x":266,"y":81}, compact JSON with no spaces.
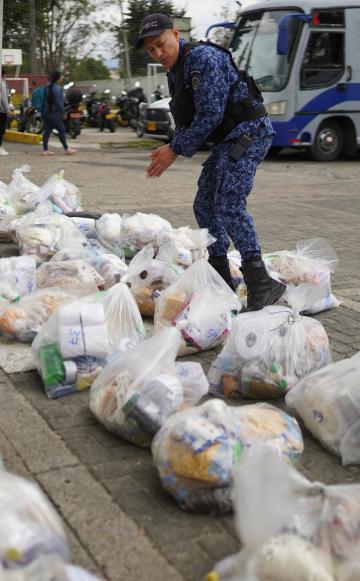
{"x":53,"y":114}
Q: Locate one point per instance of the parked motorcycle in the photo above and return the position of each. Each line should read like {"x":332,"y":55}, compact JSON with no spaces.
{"x":30,"y":120}
{"x":129,"y":106}
{"x":100,"y":115}
{"x":73,"y":113}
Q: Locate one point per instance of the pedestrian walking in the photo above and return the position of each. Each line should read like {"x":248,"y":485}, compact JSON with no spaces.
{"x":4,"y":110}
{"x":53,"y":114}
{"x":212,"y":101}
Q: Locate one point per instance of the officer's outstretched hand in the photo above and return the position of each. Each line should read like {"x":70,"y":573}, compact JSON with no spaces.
{"x":161,"y":158}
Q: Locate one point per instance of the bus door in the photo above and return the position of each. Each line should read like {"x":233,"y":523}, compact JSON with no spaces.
{"x":352,"y":52}
{"x":322,"y":82}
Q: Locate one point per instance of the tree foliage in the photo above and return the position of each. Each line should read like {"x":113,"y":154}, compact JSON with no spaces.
{"x":87,"y":69}
{"x":136,"y":11}
{"x":64,"y":28}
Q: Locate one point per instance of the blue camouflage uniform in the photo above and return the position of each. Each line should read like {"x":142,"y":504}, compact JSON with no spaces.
{"x":224,"y":184}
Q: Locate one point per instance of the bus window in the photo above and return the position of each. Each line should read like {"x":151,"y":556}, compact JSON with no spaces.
{"x":324,"y":59}
{"x":254,"y":48}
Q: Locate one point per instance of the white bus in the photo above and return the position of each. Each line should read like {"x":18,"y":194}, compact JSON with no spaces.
{"x":305,"y":58}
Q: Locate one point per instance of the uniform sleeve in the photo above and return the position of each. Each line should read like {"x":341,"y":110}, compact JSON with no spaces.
{"x":211,"y":75}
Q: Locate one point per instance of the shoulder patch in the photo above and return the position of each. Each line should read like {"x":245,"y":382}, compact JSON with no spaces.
{"x":195,"y":80}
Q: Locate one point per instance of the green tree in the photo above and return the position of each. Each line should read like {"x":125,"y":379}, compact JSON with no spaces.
{"x":87,"y":69}
{"x":136,"y":11}
{"x":63,"y":28}
{"x":222,"y":35}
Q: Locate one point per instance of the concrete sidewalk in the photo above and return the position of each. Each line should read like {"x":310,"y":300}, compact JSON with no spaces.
{"x":121,"y":523}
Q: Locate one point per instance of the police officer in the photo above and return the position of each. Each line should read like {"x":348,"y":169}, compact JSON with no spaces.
{"x":214,"y":102}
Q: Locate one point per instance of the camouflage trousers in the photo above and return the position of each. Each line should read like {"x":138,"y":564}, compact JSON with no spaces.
{"x":220,"y":204}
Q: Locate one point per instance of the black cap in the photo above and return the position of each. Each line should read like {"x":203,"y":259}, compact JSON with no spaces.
{"x":153,"y":25}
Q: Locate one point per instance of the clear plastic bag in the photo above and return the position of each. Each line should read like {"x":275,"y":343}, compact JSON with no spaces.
{"x":86,"y":225}
{"x":328,"y":402}
{"x":62,"y":194}
{"x":270,"y":350}
{"x":17,"y":276}
{"x":311,"y":263}
{"x":201,"y":305}
{"x":108,"y":229}
{"x":33,"y":545}
{"x":183,"y":245}
{"x":74,"y":345}
{"x":58,"y":274}
{"x":138,"y":230}
{"x":6,"y":209}
{"x":42,"y":233}
{"x":291,"y":528}
{"x":148,"y":277}
{"x":23,"y":319}
{"x":21,"y":191}
{"x":110,"y":267}
{"x":140,"y":389}
{"x":196,"y":450}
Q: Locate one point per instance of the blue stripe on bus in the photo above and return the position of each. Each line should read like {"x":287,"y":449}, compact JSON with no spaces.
{"x":288,"y":130}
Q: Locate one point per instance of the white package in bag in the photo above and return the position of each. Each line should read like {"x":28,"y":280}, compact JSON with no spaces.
{"x":82,"y":336}
{"x":183,"y":245}
{"x":138,"y":390}
{"x":269,"y":351}
{"x":139,"y":229}
{"x":310,"y":264}
{"x":108,"y":228}
{"x":63,"y":195}
{"x":6,"y":209}
{"x":17,"y":276}
{"x":328,"y":402}
{"x":148,"y":277}
{"x":21,"y":191}
{"x":291,"y":528}
{"x":201,"y":305}
{"x":67,"y":272}
{"x":33,"y":544}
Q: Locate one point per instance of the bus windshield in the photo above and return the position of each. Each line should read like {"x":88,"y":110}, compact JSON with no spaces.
{"x":254,"y":47}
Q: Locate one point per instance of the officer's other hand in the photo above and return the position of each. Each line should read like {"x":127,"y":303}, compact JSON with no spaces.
{"x":161,"y":158}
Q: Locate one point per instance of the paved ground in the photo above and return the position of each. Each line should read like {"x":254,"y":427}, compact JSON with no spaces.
{"x":121,"y":523}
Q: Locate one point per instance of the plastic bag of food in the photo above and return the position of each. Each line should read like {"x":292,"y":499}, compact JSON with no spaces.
{"x":328,"y":402}
{"x":270,"y":350}
{"x":74,"y":345}
{"x":33,"y":545}
{"x":21,"y":191}
{"x":138,"y":230}
{"x":62,"y":194}
{"x":6,"y":209}
{"x":138,"y":390}
{"x":58,"y":274}
{"x":42,"y":233}
{"x":237,"y":276}
{"x":148,"y":277}
{"x":108,"y":229}
{"x":17,"y":276}
{"x":311,"y":263}
{"x":86,"y":225}
{"x":23,"y":319}
{"x":109,"y":266}
{"x":183,"y":245}
{"x":196,"y":450}
{"x":201,"y":305}
{"x":291,"y":528}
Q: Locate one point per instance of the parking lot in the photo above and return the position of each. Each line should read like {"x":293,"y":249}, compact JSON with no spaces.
{"x":122,"y":525}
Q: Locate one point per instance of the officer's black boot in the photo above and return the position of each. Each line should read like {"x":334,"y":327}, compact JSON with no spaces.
{"x":221,"y":265}
{"x":262,"y":290}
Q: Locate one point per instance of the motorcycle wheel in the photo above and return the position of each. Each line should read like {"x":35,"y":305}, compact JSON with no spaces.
{"x":35,"y":126}
{"x":111,"y":125}
{"x":74,"y":129}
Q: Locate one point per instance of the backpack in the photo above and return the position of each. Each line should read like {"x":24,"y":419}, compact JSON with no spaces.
{"x":38,"y":98}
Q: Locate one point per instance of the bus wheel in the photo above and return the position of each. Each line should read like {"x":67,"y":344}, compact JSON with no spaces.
{"x":328,"y":142}
{"x":274,"y":152}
